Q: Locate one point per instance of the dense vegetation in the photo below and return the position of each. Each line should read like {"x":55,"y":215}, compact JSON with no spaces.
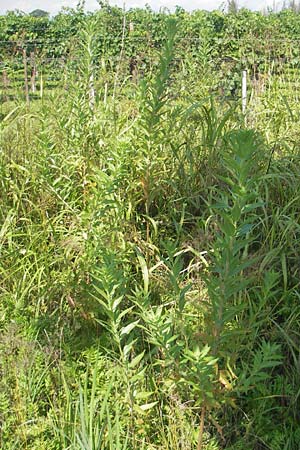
{"x":149,"y":233}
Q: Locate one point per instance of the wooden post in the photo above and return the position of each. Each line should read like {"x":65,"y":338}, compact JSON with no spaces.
{"x":41,"y":85}
{"x":25,"y":75}
{"x":33,"y":71}
{"x":244,"y":91}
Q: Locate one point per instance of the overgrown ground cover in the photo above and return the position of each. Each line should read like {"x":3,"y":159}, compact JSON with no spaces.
{"x":149,"y":264}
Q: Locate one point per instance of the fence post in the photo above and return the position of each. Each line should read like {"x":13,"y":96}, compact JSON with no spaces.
{"x":33,"y":71}
{"x":41,"y":85}
{"x":244,"y":91}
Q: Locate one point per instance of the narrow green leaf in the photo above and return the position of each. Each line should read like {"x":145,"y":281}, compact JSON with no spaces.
{"x":128,"y":328}
{"x":144,"y":268}
{"x":136,"y":360}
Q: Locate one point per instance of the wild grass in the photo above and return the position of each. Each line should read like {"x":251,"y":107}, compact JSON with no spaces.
{"x":149,"y":268}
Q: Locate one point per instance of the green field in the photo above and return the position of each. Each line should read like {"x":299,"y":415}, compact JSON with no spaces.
{"x":149,"y":233}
